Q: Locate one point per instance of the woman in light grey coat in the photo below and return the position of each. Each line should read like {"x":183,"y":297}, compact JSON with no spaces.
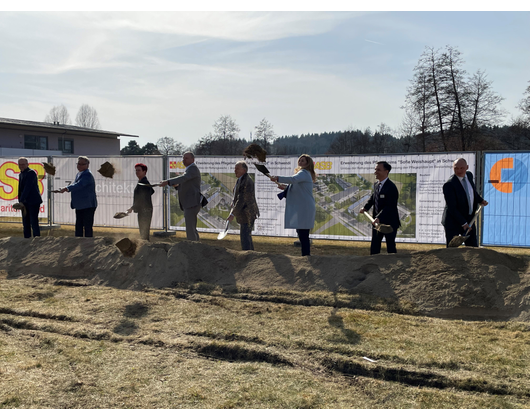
{"x":300,"y":206}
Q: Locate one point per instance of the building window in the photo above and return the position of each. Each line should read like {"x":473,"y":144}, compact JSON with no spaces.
{"x":66,"y":145}
{"x":36,"y":142}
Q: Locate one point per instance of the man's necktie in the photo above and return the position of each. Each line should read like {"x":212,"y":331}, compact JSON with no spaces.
{"x":377,"y":191}
{"x":464,"y":184}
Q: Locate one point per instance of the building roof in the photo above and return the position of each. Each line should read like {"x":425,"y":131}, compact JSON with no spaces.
{"x":63,"y":128}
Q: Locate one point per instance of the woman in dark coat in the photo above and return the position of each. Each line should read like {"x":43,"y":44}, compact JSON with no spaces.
{"x":142,"y":203}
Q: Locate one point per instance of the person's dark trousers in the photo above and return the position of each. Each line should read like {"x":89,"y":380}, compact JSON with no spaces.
{"x":31,"y":220}
{"x":245,"y":234}
{"x":144,"y":223}
{"x":303,"y":236}
{"x":377,"y":238}
{"x":84,"y":220}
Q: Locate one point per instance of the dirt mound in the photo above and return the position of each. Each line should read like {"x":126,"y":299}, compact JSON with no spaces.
{"x":453,"y":283}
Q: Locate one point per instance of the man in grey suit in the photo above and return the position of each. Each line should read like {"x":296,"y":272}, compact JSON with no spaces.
{"x":189,"y":191}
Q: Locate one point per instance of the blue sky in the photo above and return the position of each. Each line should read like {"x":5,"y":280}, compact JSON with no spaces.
{"x":173,"y":74}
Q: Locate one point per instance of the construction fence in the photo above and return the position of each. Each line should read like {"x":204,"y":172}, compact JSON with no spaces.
{"x":343,"y":185}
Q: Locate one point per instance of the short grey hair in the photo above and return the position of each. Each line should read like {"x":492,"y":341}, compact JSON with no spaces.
{"x":23,"y":158}
{"x":243,"y":164}
{"x":83,"y":158}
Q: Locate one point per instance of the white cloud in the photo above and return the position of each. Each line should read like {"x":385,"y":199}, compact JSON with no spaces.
{"x":173,"y":74}
{"x":235,"y":26}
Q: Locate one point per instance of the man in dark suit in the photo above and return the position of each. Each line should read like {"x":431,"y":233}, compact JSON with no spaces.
{"x":244,"y":206}
{"x":29,"y":195}
{"x":189,"y":190}
{"x":384,"y":199}
{"x":461,"y":202}
{"x":142,"y":203}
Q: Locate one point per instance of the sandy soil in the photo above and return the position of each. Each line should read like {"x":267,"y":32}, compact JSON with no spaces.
{"x":451,"y":283}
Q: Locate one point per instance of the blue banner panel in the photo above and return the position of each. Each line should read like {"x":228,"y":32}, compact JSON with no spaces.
{"x":507,"y":190}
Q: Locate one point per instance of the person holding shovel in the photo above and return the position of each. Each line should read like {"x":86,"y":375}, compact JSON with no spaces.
{"x":384,"y":200}
{"x":244,"y":206}
{"x":300,"y":209}
{"x":189,"y":192}
{"x":142,"y":203}
{"x":461,"y":203}
{"x":84,"y":199}
{"x":29,"y":196}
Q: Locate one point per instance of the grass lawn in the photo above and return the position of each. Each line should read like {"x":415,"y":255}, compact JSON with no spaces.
{"x":67,"y":344}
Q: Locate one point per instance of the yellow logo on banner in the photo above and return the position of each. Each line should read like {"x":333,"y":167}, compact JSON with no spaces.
{"x":10,"y":180}
{"x":323,"y":166}
{"x":176,"y":165}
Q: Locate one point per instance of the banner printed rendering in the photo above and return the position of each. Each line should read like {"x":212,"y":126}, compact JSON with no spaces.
{"x":344,"y":184}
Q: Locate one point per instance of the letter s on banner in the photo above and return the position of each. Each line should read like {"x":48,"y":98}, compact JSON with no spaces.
{"x":9,"y":172}
{"x":8,"y":182}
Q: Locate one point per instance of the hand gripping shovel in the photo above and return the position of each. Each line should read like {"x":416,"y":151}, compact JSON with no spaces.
{"x":224,"y":232}
{"x":263,"y":169}
{"x":379,"y":227}
{"x":460,"y":239}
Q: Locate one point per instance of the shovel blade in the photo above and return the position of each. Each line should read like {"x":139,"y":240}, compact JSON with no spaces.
{"x":385,"y":229}
{"x":262,"y":168}
{"x":457,"y":241}
{"x":224,"y":232}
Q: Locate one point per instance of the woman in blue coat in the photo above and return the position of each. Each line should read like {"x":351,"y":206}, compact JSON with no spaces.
{"x":84,"y":199}
{"x":300,"y":206}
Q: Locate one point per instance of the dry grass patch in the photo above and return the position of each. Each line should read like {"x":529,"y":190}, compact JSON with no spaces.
{"x":67,"y":344}
{"x":73,"y":346}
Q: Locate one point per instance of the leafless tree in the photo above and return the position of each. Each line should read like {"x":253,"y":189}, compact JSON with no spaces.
{"x":419,"y":117}
{"x":264,"y":135}
{"x":87,"y":117}
{"x":524,"y":106}
{"x":483,"y":107}
{"x":58,"y":114}
{"x":455,"y":91}
{"x":168,"y":146}
{"x":225,"y":128}
{"x":443,"y":101}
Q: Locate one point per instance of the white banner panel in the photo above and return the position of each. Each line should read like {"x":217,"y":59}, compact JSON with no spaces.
{"x":113,"y":194}
{"x":344,"y":184}
{"x":9,"y":173}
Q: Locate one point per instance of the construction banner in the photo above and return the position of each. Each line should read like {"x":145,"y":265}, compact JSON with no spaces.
{"x":344,"y":184}
{"x":507,"y":190}
{"x":114,"y":194}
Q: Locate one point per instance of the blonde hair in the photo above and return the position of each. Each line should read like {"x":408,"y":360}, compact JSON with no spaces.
{"x":310,"y":167}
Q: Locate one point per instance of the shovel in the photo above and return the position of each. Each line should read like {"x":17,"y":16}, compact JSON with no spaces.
{"x":149,"y":185}
{"x":121,"y":215}
{"x":460,"y":239}
{"x":263,"y":169}
{"x":379,"y":227}
{"x":224,"y":232}
{"x":21,"y":207}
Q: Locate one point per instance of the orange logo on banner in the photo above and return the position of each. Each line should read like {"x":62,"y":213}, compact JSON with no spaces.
{"x":495,"y":174}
